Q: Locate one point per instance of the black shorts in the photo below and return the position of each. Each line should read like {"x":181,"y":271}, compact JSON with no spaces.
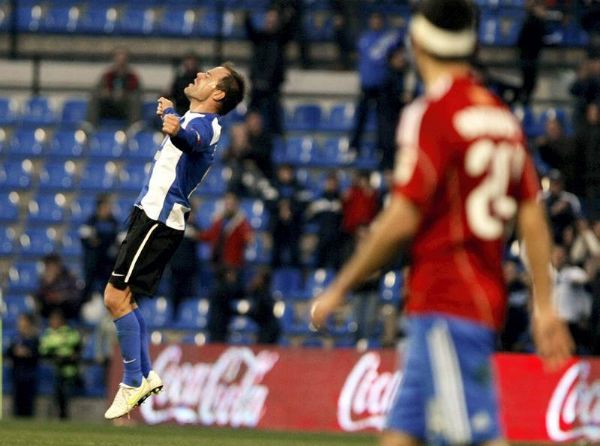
{"x":144,"y":254}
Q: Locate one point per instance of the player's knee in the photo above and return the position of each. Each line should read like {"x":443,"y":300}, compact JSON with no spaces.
{"x":389,"y":438}
{"x":115,"y":300}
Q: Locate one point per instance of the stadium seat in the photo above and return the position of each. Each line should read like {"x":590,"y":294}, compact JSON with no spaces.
{"x":16,"y":305}
{"x":339,"y":119}
{"x":22,"y":277}
{"x":304,"y":117}
{"x":99,"y":177}
{"x":82,"y":208}
{"x":177,"y":20}
{"x":7,"y":238}
{"x":256,"y":213}
{"x":157,"y":312}
{"x":27,"y":142}
{"x":286,"y":283}
{"x":215,"y":181}
{"x":37,"y":112}
{"x":68,"y":143}
{"x":138,"y":19}
{"x":558,"y":114}
{"x":124,"y":206}
{"x":243,"y":324}
{"x":192,"y":314}
{"x":74,"y":112}
{"x":132,"y":176}
{"x":47,"y":209}
{"x":29,"y":17}
{"x":530,"y":123}
{"x":16,"y":174}
{"x":94,"y":381}
{"x":258,"y":250}
{"x":299,"y":150}
{"x":9,"y":210}
{"x":107,"y":144}
{"x":70,"y":244}
{"x":58,"y":175}
{"x":294,"y":323}
{"x":208,"y":23}
{"x":316,"y":282}
{"x":143,"y":145}
{"x":98,"y":19}
{"x":60,"y":19}
{"x":37,"y":242}
{"x":8,"y":111}
{"x":318,"y":25}
{"x":335,"y":153}
{"x":390,"y":287}
{"x":4,"y":16}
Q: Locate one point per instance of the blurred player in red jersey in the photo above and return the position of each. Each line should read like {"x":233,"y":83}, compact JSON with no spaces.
{"x":461,"y":176}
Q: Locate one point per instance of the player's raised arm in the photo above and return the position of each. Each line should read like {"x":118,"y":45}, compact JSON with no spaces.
{"x":551,"y":336}
{"x":163,"y":105}
{"x":392,"y":228}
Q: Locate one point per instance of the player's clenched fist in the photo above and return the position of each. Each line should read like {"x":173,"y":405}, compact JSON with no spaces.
{"x":163,"y":104}
{"x":171,"y":125}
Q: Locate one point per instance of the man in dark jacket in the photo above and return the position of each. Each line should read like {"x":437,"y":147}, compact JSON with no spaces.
{"x":23,"y":351}
{"x":530,"y":44}
{"x":587,"y":147}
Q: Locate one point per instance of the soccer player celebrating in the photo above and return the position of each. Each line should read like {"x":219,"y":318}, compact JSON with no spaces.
{"x":157,"y":222}
{"x":462,"y":174}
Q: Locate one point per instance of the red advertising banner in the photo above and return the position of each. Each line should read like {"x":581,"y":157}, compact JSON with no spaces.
{"x":343,"y":390}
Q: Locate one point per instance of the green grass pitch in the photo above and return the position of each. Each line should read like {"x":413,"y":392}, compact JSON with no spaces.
{"x":37,"y":433}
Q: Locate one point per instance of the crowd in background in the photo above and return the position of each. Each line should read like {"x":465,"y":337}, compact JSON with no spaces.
{"x":318,"y":227}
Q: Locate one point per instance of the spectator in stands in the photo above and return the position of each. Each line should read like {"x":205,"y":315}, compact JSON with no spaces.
{"x":326,"y":212}
{"x":585,"y":89}
{"x":261,"y":307}
{"x":587,"y":147}
{"x":285,"y":186}
{"x":374,"y":46}
{"x":23,"y":353}
{"x":530,"y":43}
{"x":58,"y":289}
{"x":61,"y":344}
{"x":260,"y":144}
{"x":268,"y":67}
{"x":183,"y":267}
{"x":514,"y":335}
{"x":342,"y":30}
{"x":286,"y":228}
{"x":99,"y":240}
{"x":360,"y":205}
{"x":186,"y":74}
{"x":229,"y":235}
{"x":292,"y":13}
{"x":557,"y":151}
{"x":572,"y":301}
{"x":118,"y":94}
{"x":564,"y":208}
{"x":586,"y":243}
{"x":392,"y":102}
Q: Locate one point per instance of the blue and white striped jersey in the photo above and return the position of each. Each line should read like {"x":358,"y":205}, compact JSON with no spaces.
{"x":179,"y":166}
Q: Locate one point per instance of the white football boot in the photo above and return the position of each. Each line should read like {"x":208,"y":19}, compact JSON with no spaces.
{"x":155,"y":386}
{"x":126,"y":399}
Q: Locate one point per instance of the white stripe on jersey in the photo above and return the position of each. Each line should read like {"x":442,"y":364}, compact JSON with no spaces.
{"x":407,"y":140}
{"x":216,"y":131}
{"x":176,"y":216}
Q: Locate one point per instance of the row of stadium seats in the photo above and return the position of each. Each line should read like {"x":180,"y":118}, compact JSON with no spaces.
{"x":39,"y":111}
{"x":500,"y":20}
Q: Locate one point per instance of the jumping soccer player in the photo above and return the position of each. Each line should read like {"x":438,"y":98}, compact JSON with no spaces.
{"x":157,"y":222}
{"x":462,"y":174}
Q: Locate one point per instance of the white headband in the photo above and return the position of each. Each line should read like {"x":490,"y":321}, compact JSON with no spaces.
{"x":441,"y":42}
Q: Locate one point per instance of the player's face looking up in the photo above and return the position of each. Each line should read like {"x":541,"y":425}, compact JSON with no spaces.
{"x":205,"y":85}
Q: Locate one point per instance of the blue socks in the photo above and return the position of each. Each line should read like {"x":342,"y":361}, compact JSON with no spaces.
{"x":129,"y":335}
{"x":145,"y":342}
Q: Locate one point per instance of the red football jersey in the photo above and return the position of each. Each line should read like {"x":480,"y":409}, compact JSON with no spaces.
{"x":462,"y":161}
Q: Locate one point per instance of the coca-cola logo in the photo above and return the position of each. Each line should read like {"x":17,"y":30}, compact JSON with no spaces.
{"x":574,"y":409}
{"x":226,"y":392}
{"x":367,"y":395}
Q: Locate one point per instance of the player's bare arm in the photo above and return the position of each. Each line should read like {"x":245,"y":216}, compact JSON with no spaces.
{"x":171,"y":125}
{"x":551,"y":336}
{"x":393,"y":227}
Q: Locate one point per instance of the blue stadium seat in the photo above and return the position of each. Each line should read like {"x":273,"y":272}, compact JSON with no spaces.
{"x":70,"y":245}
{"x":74,"y":112}
{"x":8,"y":111}
{"x":316,"y":282}
{"x":286,"y":283}
{"x":94,"y":381}
{"x":138,"y":19}
{"x":208,"y":23}
{"x":132,"y":176}
{"x":258,"y":251}
{"x":233,"y":23}
{"x":242,"y":324}
{"x":256,"y":212}
{"x":336,"y":153}
{"x":143,"y":145}
{"x":318,"y":25}
{"x":304,"y":117}
{"x":68,"y":143}
{"x":558,"y":114}
{"x":27,"y":142}
{"x":16,"y":174}
{"x":124,"y":206}
{"x":29,"y":17}
{"x":99,"y":177}
{"x":5,"y":15}
{"x":390,"y":287}
{"x":530,"y":123}
{"x":7,"y":239}
{"x":82,"y":208}
{"x":46,"y":209}
{"x":16,"y":305}
{"x":9,"y":208}
{"x":299,"y":150}
{"x":22,"y":277}
{"x":177,"y":20}
{"x":36,"y":242}
{"x":60,"y":19}
{"x":107,"y":143}
{"x":157,"y":312}
{"x":98,"y":19}
{"x":294,"y":322}
{"x":206,"y":212}
{"x":339,"y":119}
{"x":38,"y":112}
{"x":192,"y":314}
{"x":510,"y":22}
{"x":215,"y":182}
{"x":58,"y":175}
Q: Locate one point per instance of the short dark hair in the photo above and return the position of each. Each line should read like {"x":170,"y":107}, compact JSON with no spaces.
{"x":234,"y":87}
